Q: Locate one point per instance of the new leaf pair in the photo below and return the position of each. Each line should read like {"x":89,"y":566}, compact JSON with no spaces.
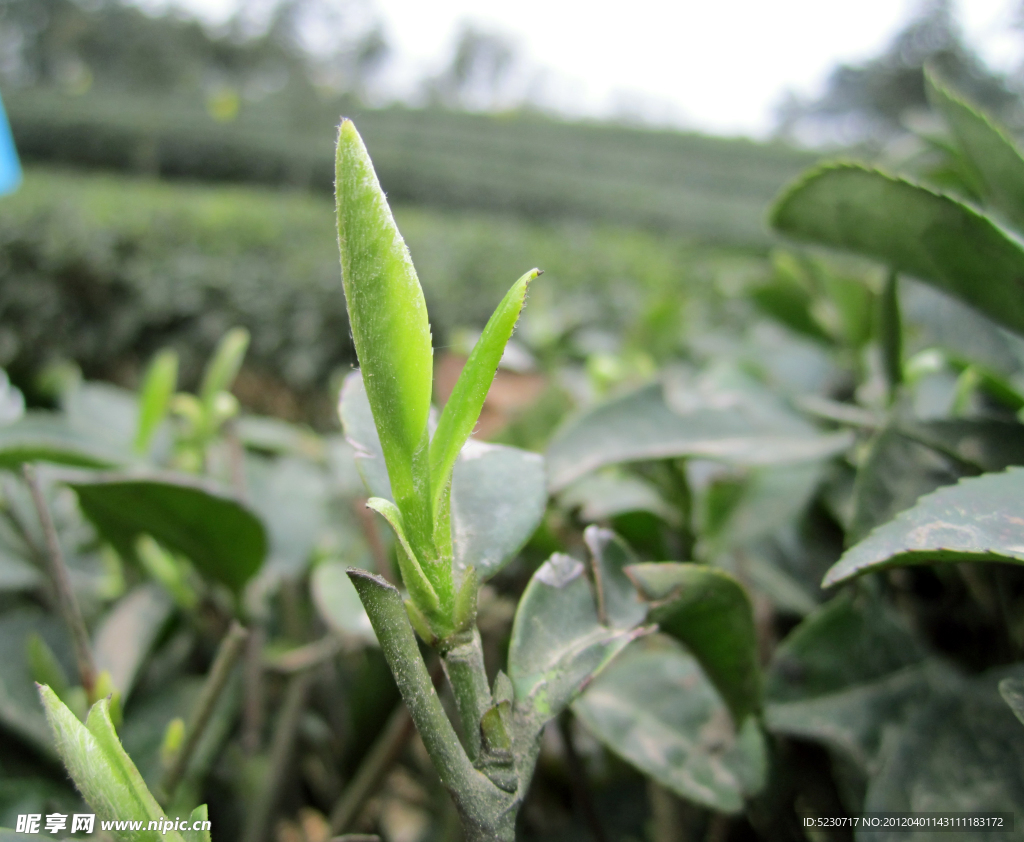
{"x":388,"y":317}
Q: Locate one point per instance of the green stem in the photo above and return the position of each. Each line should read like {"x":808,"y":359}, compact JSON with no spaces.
{"x":62,"y":585}
{"x":487,"y":812}
{"x":464,"y":665}
{"x":227,"y":654}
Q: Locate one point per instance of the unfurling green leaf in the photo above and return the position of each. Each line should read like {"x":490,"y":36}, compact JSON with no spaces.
{"x":416,"y":581}
{"x":388,"y":317}
{"x":155,"y":397}
{"x":911,"y":229}
{"x":462,"y":410}
{"x":223,"y":367}
{"x":102,"y":771}
{"x":711,"y":613}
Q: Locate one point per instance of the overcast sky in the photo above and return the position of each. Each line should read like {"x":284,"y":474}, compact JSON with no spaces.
{"x":717,"y":66}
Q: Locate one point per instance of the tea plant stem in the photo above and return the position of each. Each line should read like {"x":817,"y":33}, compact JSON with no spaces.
{"x":66,"y":601}
{"x":280,"y":756}
{"x":464,"y":666}
{"x":255,"y":691}
{"x":382,"y":755}
{"x":578,"y":779}
{"x":487,"y":812}
{"x":227,"y":654}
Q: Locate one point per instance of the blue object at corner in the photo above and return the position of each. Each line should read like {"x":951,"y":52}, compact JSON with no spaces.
{"x":10,"y":169}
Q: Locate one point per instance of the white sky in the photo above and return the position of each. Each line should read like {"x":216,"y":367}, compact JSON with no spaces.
{"x":715,"y":65}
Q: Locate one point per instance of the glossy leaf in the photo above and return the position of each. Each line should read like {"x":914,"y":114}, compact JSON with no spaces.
{"x":558,"y":641}
{"x":979,"y":519}
{"x":990,"y":152}
{"x":155,"y":396}
{"x":388,"y":318}
{"x":222,"y":537}
{"x":126,"y":634}
{"x":460,"y":413}
{"x":338,"y":603}
{"x":655,"y":709}
{"x":740,"y":426}
{"x":710,"y":612}
{"x":100,"y":768}
{"x":911,"y":229}
{"x":499,"y":495}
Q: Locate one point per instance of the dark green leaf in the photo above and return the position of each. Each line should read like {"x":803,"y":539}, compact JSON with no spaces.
{"x":223,"y":538}
{"x":790,"y":304}
{"x":388,"y":319}
{"x":912,"y":230}
{"x":710,"y":612}
{"x":655,"y":709}
{"x":744,"y":425}
{"x":982,"y":443}
{"x":847,"y":673}
{"x":979,"y":519}
{"x":895,"y":473}
{"x":558,"y":641}
{"x":989,"y":150}
{"x":961,"y":750}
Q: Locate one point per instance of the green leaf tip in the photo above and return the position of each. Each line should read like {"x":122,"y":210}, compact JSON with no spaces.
{"x":388,"y":318}
{"x":463,"y":408}
{"x":101,"y":769}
